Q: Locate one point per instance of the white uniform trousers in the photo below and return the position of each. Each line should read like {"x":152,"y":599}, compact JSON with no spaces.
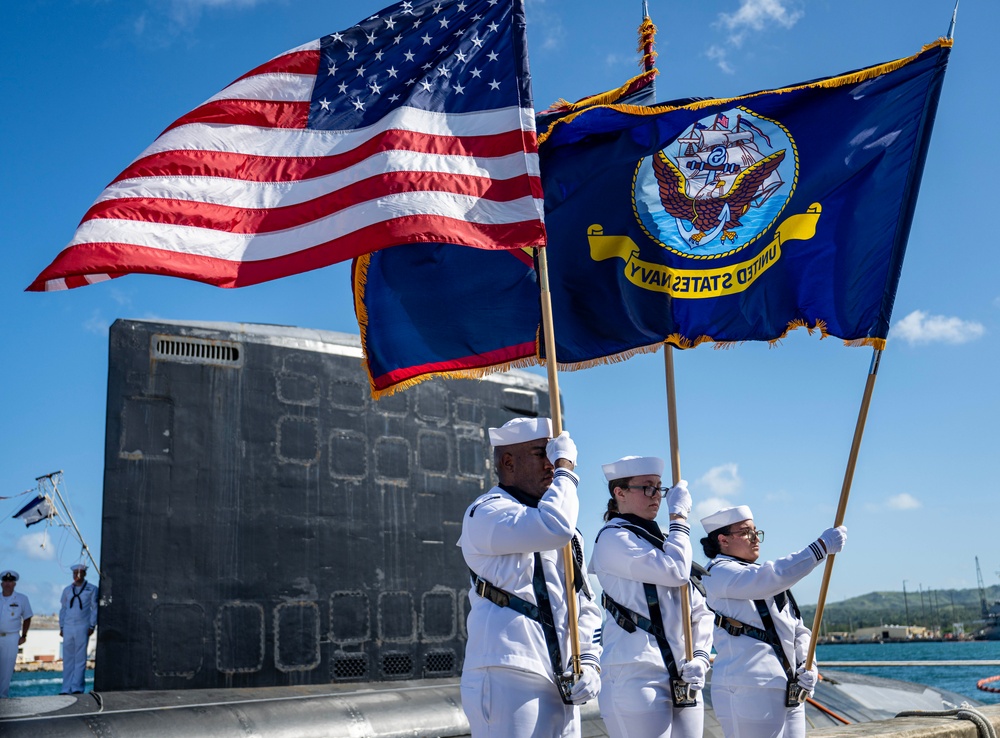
{"x":636,"y":703}
{"x":757,"y":712}
{"x":74,"y":657}
{"x":501,"y":702}
{"x":8,"y":657}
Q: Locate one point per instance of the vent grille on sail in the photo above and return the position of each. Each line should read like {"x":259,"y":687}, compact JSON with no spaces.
{"x":188,"y":350}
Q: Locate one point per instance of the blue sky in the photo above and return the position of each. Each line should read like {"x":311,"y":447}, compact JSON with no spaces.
{"x":90,"y":83}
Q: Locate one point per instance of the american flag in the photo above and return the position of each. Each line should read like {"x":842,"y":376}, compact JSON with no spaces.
{"x":415,"y":125}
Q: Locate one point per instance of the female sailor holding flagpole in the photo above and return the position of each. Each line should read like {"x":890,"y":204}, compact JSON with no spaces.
{"x":641,"y":571}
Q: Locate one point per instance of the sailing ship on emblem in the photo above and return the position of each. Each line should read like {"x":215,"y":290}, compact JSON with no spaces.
{"x":719,"y":175}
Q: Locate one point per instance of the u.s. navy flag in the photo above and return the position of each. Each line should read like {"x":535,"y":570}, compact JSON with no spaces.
{"x":415,"y":125}
{"x":737,"y":219}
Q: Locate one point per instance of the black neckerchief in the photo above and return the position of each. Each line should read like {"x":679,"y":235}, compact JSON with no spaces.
{"x":523,"y":497}
{"x":76,"y":595}
{"x":649,"y":526}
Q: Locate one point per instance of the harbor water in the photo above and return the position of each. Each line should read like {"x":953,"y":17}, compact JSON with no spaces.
{"x":958,"y":679}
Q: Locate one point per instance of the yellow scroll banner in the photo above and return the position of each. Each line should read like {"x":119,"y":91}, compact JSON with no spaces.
{"x":701,"y":283}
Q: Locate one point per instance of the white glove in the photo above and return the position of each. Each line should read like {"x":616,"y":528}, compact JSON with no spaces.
{"x":679,"y":499}
{"x":808,"y":679}
{"x":587,"y":687}
{"x":834,"y":539}
{"x":693,"y":673}
{"x":561,"y":447}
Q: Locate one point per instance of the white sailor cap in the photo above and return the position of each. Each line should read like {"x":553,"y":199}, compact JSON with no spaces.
{"x":726,"y":516}
{"x":78,"y":567}
{"x":633,"y":466}
{"x":8,"y":573}
{"x":520,"y":430}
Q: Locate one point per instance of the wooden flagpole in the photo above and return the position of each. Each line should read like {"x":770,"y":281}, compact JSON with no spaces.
{"x":845,"y":492}
{"x":569,"y":563}
{"x":675,"y":467}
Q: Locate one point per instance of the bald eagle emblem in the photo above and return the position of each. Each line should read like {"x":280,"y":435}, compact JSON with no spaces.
{"x":721,"y":188}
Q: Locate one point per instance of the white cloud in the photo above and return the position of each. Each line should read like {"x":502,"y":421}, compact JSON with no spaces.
{"x":96,"y":324}
{"x":754,"y":15}
{"x":704,"y":508}
{"x":919,"y":327}
{"x":718,"y":55}
{"x":723,"y":480}
{"x":903,"y":501}
{"x":37,"y":546}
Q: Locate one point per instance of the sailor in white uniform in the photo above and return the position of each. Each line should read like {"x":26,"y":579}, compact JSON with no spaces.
{"x":15,"y":620}
{"x":759,"y":681}
{"x":518,"y":647}
{"x":641,"y":571}
{"x":77,"y":621}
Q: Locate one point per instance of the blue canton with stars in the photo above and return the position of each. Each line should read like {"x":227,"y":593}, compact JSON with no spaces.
{"x":454,"y":56}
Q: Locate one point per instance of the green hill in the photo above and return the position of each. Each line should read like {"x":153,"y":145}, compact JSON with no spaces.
{"x":934,"y":609}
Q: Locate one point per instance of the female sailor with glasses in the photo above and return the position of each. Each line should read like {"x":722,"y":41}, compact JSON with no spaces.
{"x":640,"y":570}
{"x":759,"y":682}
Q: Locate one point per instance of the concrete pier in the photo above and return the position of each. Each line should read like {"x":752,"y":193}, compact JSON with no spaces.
{"x":915,"y":727}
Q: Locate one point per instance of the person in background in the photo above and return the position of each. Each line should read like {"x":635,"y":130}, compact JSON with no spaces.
{"x":641,"y":570}
{"x":15,"y":621}
{"x":759,"y":679}
{"x":514,"y":681}
{"x":77,"y":621}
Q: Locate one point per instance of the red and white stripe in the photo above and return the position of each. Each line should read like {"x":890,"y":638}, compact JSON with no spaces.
{"x":239,"y":192}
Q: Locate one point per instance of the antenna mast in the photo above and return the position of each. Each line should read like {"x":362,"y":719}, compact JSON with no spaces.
{"x":53,"y":480}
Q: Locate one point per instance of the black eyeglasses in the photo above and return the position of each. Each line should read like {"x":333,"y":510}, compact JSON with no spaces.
{"x":648,"y":489}
{"x":749,"y":533}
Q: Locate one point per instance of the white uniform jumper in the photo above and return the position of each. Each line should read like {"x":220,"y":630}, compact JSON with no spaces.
{"x":748,"y":680}
{"x":635,"y":694}
{"x":77,"y":616}
{"x":13,"y":610}
{"x":508,"y":688}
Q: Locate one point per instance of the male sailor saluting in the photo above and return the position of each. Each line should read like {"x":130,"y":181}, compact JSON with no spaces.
{"x":759,"y":680}
{"x":512,"y":539}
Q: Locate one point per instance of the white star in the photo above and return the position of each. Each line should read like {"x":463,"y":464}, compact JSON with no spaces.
{"x":397,"y":40}
{"x":459,"y":89}
{"x":476,"y":17}
{"x":333,"y":69}
{"x":444,"y":22}
{"x":390,"y":24}
{"x":370,"y":37}
{"x":325,"y":104}
{"x":460,"y":7}
{"x":460,"y":56}
{"x":409,"y":82}
{"x":476,"y":73}
{"x":494,"y":56}
{"x":494,"y":85}
{"x":443,"y":50}
{"x":416,"y":24}
{"x":375,"y":88}
{"x":391,"y":71}
{"x":393,"y":98}
{"x":427,"y":85}
{"x":408,"y":8}
{"x":493,"y":2}
{"x":428,"y":65}
{"x":409,"y":56}
{"x":493,"y":26}
{"x":337,"y":36}
{"x":358,"y":104}
{"x":361,"y":71}
{"x":444,"y":72}
{"x":477,"y":42}
{"x":437,"y":8}
{"x":379,"y":55}
{"x":351,"y":53}
{"x":426,"y":39}
{"x":342,"y":88}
